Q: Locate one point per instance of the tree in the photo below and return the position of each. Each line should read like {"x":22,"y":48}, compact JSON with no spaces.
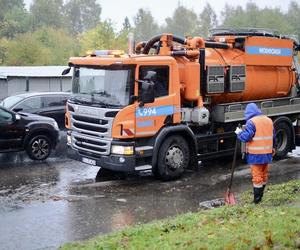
{"x":26,"y":50}
{"x":184,"y":22}
{"x":126,"y":24}
{"x":61,"y":45}
{"x":100,"y":37}
{"x":14,"y":18}
{"x":47,"y":13}
{"x":46,"y":46}
{"x":208,"y":20}
{"x":82,"y":15}
{"x":253,"y":17}
{"x":8,"y":5}
{"x":145,"y":26}
{"x":3,"y":50}
{"x":293,"y":16}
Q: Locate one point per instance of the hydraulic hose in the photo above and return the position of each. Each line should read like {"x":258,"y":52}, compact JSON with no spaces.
{"x":216,"y":45}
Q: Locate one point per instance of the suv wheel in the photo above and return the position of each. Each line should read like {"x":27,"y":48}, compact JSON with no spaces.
{"x":39,"y":147}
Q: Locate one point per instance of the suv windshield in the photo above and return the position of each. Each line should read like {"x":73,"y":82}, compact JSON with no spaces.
{"x":105,"y":86}
{"x":11,"y":101}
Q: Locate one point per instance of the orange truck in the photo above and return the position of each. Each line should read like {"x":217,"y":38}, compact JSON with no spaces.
{"x":176,"y":101}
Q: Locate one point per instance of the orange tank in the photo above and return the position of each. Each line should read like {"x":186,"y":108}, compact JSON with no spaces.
{"x":267,"y":63}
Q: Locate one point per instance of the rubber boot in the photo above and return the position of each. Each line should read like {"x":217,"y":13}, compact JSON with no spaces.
{"x":258,"y":192}
{"x":263,"y":189}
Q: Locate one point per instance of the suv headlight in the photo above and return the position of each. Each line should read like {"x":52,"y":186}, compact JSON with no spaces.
{"x":122,"y":150}
{"x":55,"y":125}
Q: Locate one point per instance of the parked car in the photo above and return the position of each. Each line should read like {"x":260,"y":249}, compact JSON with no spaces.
{"x":35,"y":134}
{"x":50,"y":104}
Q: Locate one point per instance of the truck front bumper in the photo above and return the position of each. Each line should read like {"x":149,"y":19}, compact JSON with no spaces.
{"x":111,"y":162}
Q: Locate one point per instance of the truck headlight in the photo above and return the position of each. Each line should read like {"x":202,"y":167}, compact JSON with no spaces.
{"x":69,"y":139}
{"x":122,"y":150}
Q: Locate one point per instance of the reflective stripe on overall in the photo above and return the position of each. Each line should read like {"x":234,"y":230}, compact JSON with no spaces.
{"x":262,"y":142}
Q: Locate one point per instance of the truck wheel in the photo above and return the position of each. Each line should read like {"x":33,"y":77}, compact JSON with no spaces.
{"x":173,"y":158}
{"x":39,"y":147}
{"x":283,"y":139}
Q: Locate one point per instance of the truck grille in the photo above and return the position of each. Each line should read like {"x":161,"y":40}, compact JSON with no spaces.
{"x":91,"y":145}
{"x":91,"y":129}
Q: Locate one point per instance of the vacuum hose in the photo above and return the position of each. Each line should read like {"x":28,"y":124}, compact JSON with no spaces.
{"x":156,"y":39}
{"x":178,"y":39}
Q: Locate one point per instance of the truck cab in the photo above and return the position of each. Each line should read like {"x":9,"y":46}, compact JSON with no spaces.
{"x":115,"y":109}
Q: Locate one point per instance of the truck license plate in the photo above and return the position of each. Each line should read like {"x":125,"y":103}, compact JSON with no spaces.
{"x":89,"y":161}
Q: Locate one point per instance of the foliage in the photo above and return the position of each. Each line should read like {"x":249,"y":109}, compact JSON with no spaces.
{"x":46,"y":13}
{"x":6,"y":6}
{"x":61,"y":45}
{"x":293,"y":17}
{"x":74,"y":26}
{"x":208,"y":20}
{"x":46,"y":46}
{"x":229,"y":227}
{"x":14,"y":18}
{"x":253,"y":17}
{"x":126,"y":24}
{"x":101,"y":37}
{"x":3,"y":49}
{"x":184,"y":22}
{"x":82,"y":15}
{"x":145,"y":25}
{"x":26,"y":50}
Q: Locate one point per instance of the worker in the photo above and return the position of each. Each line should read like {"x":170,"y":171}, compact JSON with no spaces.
{"x":258,"y":134}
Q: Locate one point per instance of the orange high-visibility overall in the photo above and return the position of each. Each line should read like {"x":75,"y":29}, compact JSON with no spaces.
{"x":261,"y":143}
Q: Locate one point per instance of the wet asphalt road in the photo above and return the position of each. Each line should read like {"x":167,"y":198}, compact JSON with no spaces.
{"x":45,"y":204}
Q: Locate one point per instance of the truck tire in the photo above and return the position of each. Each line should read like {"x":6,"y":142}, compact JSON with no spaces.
{"x":173,"y":158}
{"x":283,"y":139}
{"x":39,"y":147}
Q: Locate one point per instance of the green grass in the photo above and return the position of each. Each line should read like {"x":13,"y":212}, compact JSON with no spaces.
{"x":273,"y":224}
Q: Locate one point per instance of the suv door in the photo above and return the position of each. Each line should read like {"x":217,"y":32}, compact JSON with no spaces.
{"x":11,"y":131}
{"x":30,"y":105}
{"x":54,"y":107}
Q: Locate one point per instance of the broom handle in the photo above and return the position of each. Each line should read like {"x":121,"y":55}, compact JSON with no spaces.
{"x":233,"y":162}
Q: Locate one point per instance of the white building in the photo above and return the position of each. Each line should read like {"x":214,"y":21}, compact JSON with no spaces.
{"x":16,"y":80}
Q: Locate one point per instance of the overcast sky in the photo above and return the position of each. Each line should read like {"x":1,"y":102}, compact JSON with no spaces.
{"x":116,"y":10}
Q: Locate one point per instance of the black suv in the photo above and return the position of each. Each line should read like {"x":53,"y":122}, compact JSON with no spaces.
{"x":35,"y":134}
{"x":50,"y":104}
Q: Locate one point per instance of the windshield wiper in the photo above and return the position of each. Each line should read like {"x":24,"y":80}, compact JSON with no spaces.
{"x":99,"y":103}
{"x":103,"y":93}
{"x":92,"y":102}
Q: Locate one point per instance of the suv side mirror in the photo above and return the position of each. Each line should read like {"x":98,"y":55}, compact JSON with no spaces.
{"x":17,"y":110}
{"x":146,"y":92}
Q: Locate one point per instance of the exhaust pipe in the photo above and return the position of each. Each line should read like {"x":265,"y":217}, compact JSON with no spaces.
{"x":130,"y":43}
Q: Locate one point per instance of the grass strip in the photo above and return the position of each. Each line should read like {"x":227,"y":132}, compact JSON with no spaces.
{"x":273,"y":224}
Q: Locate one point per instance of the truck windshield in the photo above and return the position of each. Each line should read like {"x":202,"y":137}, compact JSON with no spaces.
{"x":107,"y":86}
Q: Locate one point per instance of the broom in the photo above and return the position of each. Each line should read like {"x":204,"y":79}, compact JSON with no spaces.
{"x":229,"y":196}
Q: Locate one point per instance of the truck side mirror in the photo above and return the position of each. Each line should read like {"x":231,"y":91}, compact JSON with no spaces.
{"x":66,"y":71}
{"x":146,"y":92}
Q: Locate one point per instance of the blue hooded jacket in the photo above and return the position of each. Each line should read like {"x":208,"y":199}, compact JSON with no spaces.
{"x":248,"y":133}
